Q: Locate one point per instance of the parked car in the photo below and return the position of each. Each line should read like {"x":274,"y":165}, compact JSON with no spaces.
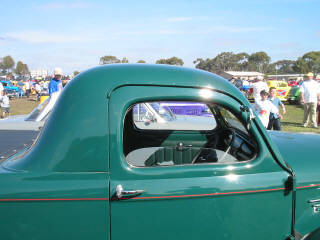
{"x":94,"y":173}
{"x":13,"y":91}
{"x":294,"y":95}
{"x":19,"y":131}
{"x":282,"y":89}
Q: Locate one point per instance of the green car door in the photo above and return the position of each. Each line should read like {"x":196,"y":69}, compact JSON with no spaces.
{"x":172,"y":194}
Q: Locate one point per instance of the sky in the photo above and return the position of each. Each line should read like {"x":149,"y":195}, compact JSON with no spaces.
{"x":73,"y":35}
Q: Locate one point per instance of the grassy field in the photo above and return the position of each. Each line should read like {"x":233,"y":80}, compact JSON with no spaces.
{"x":292,"y":121}
{"x":22,"y":106}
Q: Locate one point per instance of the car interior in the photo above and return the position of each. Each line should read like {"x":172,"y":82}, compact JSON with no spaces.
{"x":229,"y":142}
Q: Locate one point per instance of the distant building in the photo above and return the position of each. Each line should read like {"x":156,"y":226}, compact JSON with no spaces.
{"x":241,"y":75}
{"x":43,"y":73}
{"x":287,"y":77}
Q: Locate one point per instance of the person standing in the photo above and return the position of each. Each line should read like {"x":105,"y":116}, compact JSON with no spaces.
{"x":5,"y":104}
{"x":55,"y":88}
{"x":28,"y":88}
{"x":274,"y":119}
{"x":37,"y":87}
{"x":1,"y":90}
{"x":264,"y":107}
{"x":238,"y":83}
{"x":55,"y":85}
{"x":310,"y":97}
{"x":258,"y":86}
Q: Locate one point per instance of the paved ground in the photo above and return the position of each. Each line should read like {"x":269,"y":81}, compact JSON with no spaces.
{"x":12,"y":141}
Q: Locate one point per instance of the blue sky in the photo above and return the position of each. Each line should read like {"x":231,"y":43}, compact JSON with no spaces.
{"x":74,"y":35}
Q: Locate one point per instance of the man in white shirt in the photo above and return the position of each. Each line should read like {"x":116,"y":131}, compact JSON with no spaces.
{"x":258,"y":87}
{"x":310,"y":97}
{"x":5,"y":105}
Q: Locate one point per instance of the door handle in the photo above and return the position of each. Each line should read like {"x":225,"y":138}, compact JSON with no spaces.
{"x":127,"y":194}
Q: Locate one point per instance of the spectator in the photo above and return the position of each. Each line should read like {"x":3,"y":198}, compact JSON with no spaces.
{"x":38,"y":90}
{"x":5,"y":104}
{"x":274,"y":119}
{"x":238,"y":83}
{"x":1,"y":90}
{"x":258,"y":86}
{"x":28,"y":88}
{"x":264,"y":107}
{"x":310,"y":97}
{"x":231,"y":80}
{"x":55,"y":85}
{"x":45,"y":85}
{"x":245,"y":88}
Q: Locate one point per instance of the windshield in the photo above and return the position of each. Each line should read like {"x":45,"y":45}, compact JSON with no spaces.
{"x":163,"y":112}
{"x":152,"y":111}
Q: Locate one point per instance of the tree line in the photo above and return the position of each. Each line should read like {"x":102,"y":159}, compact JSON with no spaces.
{"x":229,"y":61}
{"x":8,"y":66}
{"x":225,"y":61}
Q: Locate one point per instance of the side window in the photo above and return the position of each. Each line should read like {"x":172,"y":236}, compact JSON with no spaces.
{"x":167,"y":133}
{"x":173,"y":116}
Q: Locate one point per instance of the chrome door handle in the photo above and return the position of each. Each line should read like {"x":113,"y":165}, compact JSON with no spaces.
{"x":127,"y":194}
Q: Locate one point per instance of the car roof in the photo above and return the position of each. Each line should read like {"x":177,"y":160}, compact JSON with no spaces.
{"x":109,"y":77}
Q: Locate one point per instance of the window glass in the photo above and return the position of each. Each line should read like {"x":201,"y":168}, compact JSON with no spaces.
{"x":166,"y":133}
{"x":232,"y":120}
{"x":173,"y":116}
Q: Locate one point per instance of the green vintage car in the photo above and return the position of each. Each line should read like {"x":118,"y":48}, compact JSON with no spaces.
{"x":95,"y":172}
{"x":294,"y":95}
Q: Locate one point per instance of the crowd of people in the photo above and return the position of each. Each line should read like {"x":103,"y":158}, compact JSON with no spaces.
{"x":52,"y":88}
{"x":266,"y":103}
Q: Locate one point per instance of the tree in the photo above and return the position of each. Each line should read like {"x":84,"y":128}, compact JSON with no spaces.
{"x":141,"y":61}
{"x":207,"y":64}
{"x":301,"y":66}
{"x":271,"y":69}
{"x":285,"y":66}
{"x":125,"y":60}
{"x":21,"y":68}
{"x":109,"y":60}
{"x":171,"y":61}
{"x":7,"y":63}
{"x":312,"y":60}
{"x":242,"y":61}
{"x":259,"y":61}
{"x":75,"y":73}
{"x":225,"y":61}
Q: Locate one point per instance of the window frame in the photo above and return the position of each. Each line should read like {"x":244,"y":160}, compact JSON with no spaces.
{"x":221,"y":124}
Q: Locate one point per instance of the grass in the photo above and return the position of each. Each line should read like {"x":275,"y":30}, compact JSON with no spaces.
{"x":292,"y":120}
{"x":22,"y":106}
